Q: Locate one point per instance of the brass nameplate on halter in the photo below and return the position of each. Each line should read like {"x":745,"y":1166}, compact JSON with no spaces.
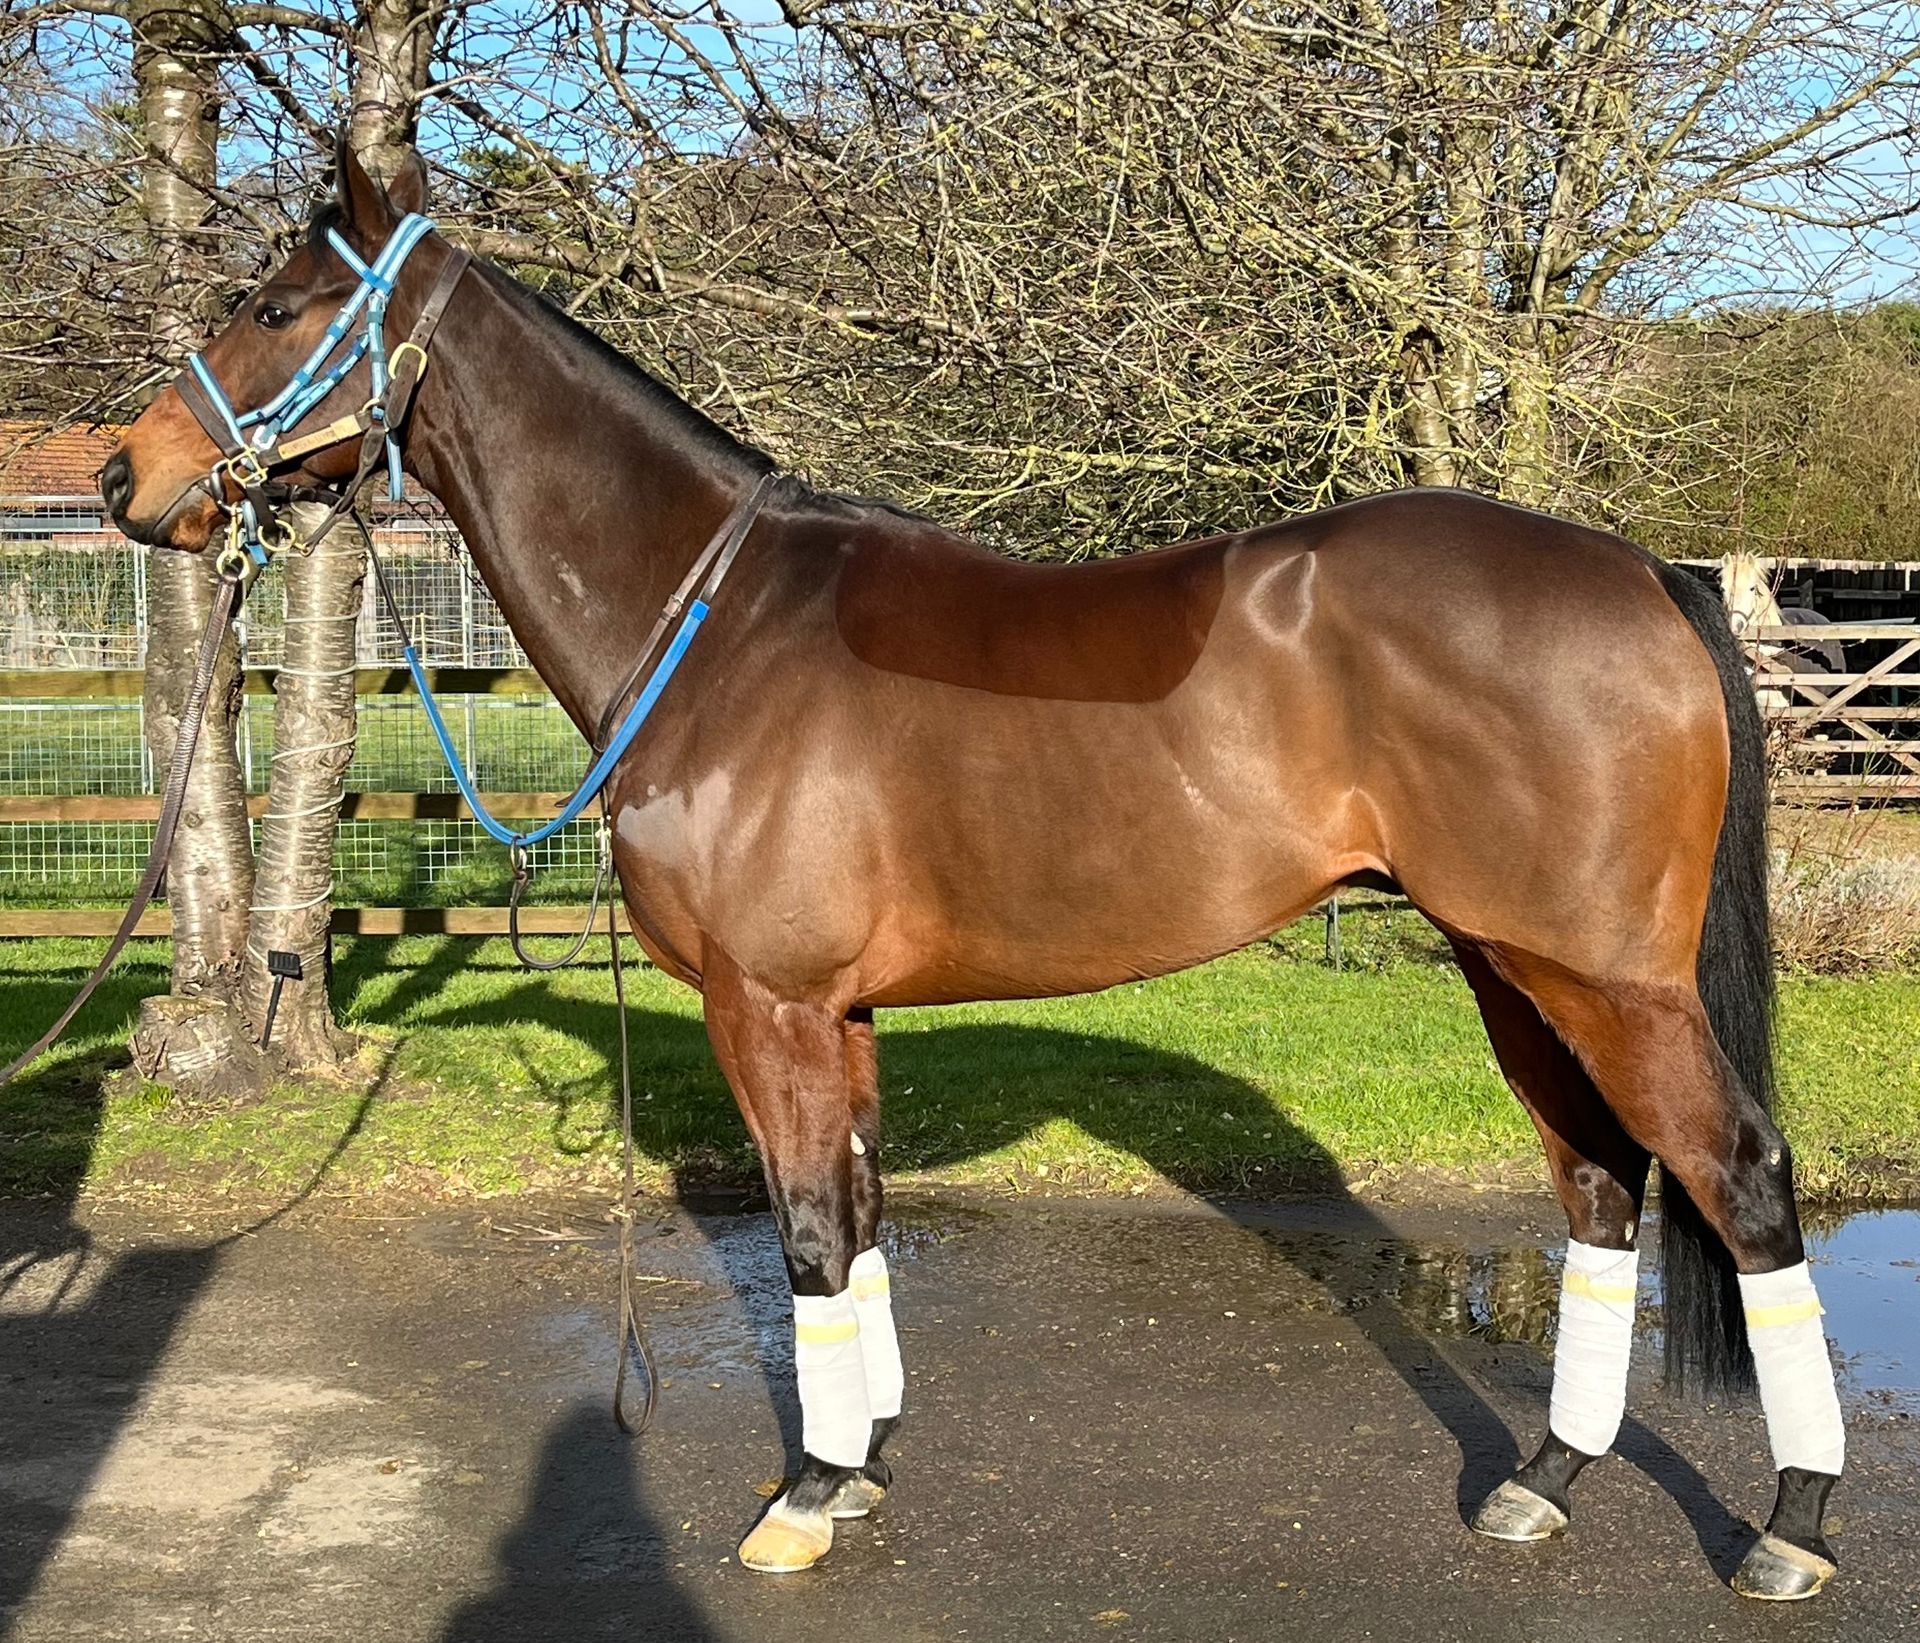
{"x":332,"y":434}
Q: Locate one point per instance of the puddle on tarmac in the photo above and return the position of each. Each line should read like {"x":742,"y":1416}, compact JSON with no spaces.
{"x":1868,"y":1268}
{"x":721,"y":1247}
{"x":1867,"y":1264}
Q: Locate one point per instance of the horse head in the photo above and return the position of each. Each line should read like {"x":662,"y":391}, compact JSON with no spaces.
{"x":167,"y":482}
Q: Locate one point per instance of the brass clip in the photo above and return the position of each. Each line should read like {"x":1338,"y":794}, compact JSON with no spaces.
{"x":244,"y":468}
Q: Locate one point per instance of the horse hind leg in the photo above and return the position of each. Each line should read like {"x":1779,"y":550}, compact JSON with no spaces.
{"x":1600,"y":1175}
{"x":1651,"y":1052}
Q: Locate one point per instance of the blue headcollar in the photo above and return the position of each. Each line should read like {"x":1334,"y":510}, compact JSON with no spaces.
{"x":253,"y":437}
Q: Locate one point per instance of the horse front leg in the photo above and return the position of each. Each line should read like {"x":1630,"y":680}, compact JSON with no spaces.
{"x":869,"y":1279}
{"x":787,"y":1063}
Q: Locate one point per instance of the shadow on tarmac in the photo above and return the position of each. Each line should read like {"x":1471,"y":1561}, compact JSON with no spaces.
{"x":86,"y":1363}
{"x":1027,"y":1061}
{"x":587,"y":1557}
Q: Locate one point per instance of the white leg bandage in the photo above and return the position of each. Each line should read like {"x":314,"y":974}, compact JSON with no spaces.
{"x":834,"y":1424}
{"x":1796,"y":1376}
{"x":879,"y":1345}
{"x":1594,"y":1345}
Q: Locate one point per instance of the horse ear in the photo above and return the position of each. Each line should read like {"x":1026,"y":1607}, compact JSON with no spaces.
{"x":408,"y":190}
{"x":364,"y":209}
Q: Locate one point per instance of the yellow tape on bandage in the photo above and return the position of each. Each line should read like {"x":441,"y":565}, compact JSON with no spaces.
{"x":826,"y":1334}
{"x":1769,"y":1317}
{"x":870,"y":1288}
{"x":1578,"y":1283}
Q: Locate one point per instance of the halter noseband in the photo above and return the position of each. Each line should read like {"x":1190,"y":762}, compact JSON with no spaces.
{"x":252,"y":443}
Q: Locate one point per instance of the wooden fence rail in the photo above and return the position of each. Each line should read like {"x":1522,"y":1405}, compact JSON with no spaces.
{"x":120,"y":683}
{"x":145,"y":807}
{"x":1820,"y":719}
{"x":555,"y":920}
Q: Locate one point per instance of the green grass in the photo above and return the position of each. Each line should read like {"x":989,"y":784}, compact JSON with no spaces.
{"x":1263,"y":1070}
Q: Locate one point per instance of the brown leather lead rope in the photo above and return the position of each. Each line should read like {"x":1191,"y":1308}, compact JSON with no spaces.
{"x":628,"y":1327}
{"x":225,"y":602}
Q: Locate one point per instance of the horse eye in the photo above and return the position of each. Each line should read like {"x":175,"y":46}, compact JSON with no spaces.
{"x":272,"y":317}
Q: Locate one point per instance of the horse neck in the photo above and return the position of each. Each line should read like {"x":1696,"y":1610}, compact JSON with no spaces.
{"x":584,"y":491}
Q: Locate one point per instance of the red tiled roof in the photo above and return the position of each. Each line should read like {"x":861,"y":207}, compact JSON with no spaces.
{"x":65,"y":462}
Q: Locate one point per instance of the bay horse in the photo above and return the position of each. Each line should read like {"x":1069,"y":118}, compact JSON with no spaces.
{"x":898,"y":769}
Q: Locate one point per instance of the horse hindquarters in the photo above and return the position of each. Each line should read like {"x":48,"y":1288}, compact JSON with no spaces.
{"x":1679,"y":1050}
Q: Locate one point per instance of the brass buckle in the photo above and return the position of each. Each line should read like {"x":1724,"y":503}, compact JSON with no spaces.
{"x":393,"y":360}
{"x":244,"y":468}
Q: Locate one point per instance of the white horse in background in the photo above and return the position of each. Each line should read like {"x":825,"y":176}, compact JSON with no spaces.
{"x":1750,"y":586}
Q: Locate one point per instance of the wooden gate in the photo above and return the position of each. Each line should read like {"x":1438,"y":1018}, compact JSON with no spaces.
{"x":1845,"y":732}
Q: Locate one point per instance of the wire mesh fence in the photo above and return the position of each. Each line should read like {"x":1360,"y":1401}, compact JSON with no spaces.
{"x":72,"y":599}
{"x":75,"y":599}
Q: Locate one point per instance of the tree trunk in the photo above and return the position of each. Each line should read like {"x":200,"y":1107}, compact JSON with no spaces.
{"x":313,"y":735}
{"x":394,"y":60}
{"x":209,"y":879}
{"x":1526,"y":427}
{"x":1430,"y":452}
{"x":314,"y":710}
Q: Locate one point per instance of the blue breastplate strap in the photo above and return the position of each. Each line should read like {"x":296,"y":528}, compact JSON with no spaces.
{"x":598,"y":772}
{"x":688,"y":608}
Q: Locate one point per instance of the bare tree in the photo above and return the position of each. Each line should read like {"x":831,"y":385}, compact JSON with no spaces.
{"x":1457,"y":215}
{"x":209,"y":877}
{"x":314,"y":712}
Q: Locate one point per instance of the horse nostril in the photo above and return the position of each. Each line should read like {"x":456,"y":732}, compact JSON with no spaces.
{"x":116,"y":484}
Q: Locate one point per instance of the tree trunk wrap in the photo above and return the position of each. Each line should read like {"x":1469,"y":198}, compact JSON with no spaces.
{"x":313,"y":737}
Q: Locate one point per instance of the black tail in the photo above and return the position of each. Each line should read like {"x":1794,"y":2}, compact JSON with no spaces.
{"x":1706,"y":1330}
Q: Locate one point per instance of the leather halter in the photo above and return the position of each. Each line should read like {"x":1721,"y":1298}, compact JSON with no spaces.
{"x":249,"y":458}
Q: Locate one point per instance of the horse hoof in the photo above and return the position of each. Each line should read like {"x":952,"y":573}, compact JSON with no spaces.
{"x":856,"y":1497}
{"x":1515,"y":1512}
{"x":786,"y":1541}
{"x":1777,"y":1571}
